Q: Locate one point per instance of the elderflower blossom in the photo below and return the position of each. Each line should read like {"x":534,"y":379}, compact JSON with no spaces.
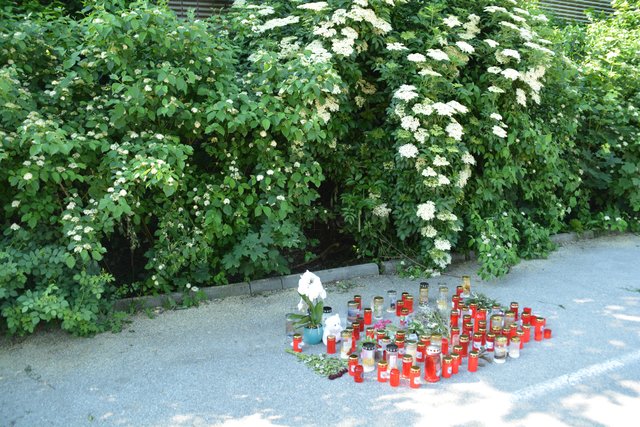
{"x":468,"y":159}
{"x":421,"y":135}
{"x":504,"y":55}
{"x":442,"y":244}
{"x":491,"y":43}
{"x":440,"y":161}
{"x":426,"y":211}
{"x":409,"y":123}
{"x":443,"y":109}
{"x":416,"y":57}
{"x":429,"y":172}
{"x":540,"y":48}
{"x":496,"y":116}
{"x":494,"y":70}
{"x":496,"y":89}
{"x":382,"y":211}
{"x":455,"y":130}
{"x":459,"y":108}
{"x":510,"y":73}
{"x":15,"y":203}
{"x":443,"y":180}
{"x":465,"y":47}
{"x":408,"y":151}
{"x":406,"y":93}
{"x":521,"y":97}
{"x":343,"y":46}
{"x":277,"y":22}
{"x":429,"y":72}
{"x":27,"y":176}
{"x":15,"y":227}
{"x":499,"y":132}
{"x":316,"y":6}
{"x":452,"y":21}
{"x":463,"y":178}
{"x":438,"y":55}
{"x":429,"y":231}
{"x":424,"y":109}
{"x":396,"y":46}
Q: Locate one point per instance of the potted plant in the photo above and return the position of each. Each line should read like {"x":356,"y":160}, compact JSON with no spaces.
{"x":312,"y":296}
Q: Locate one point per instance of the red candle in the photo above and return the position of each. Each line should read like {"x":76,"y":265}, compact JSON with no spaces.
{"x":414,"y":377}
{"x":407,"y":363}
{"x":382,"y":371}
{"x":455,"y":336}
{"x":527,"y":333}
{"x":483,"y":332}
{"x":399,"y":307}
{"x":400,"y":335}
{"x":445,"y":345}
{"x":358,"y":299}
{"x":420,"y":352}
{"x":455,"y":364}
{"x":331,"y":344}
{"x":514,"y":307}
{"x":526,"y":310}
{"x":474,"y":309}
{"x":539,"y":324}
{"x":360,"y":321}
{"x":356,"y":331}
{"x":464,"y":343}
{"x":473,"y":361}
{"x":370,"y":333}
{"x":297,"y":343}
{"x":432,"y":366}
{"x":368,"y":316}
{"x":394,"y":377}
{"x":520,"y":335}
{"x":447,"y":367}
{"x":547,"y":334}
{"x":477,"y":341}
{"x":467,"y":328}
{"x":526,"y":318}
{"x":357,"y":376}
{"x":459,"y":290}
{"x":491,"y":337}
{"x":453,"y":318}
{"x":353,"y":362}
{"x":408,"y":303}
{"x":456,"y":301}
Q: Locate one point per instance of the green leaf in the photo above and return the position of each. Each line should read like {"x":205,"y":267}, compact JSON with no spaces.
{"x":266,"y":124}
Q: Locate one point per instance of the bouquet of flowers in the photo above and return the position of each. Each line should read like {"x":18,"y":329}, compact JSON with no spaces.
{"x":312,"y":295}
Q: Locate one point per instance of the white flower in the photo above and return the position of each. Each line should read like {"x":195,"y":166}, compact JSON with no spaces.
{"x":408,"y":151}
{"x":521,"y":97}
{"x":88,"y":230}
{"x":27,"y":176}
{"x":491,"y":43}
{"x":426,"y":211}
{"x":465,"y":47}
{"x":15,"y":227}
{"x":396,"y":46}
{"x":280,"y":198}
{"x":496,"y":89}
{"x":503,"y":55}
{"x":421,"y":135}
{"x":429,"y":231}
{"x":510,"y":73}
{"x":443,"y":180}
{"x":429,"y":72}
{"x":406,"y":93}
{"x":496,"y":116}
{"x":410,"y":123}
{"x":15,"y":203}
{"x":416,"y":57}
{"x":464,"y":176}
{"x":443,"y":109}
{"x":494,"y":70}
{"x":226,"y":201}
{"x":159,"y":136}
{"x":424,"y":109}
{"x":316,"y":6}
{"x":77,"y":237}
{"x":148,"y":88}
{"x":468,"y":159}
{"x":259,"y":178}
{"x":442,"y":244}
{"x":455,"y":130}
{"x":440,"y":161}
{"x":452,"y":21}
{"x":382,"y":211}
{"x":277,"y":22}
{"x":458,"y":107}
{"x":429,"y":172}
{"x":438,"y":55}
{"x":269,"y":172}
{"x":122,"y":193}
{"x":499,"y":132}
{"x":310,"y":286}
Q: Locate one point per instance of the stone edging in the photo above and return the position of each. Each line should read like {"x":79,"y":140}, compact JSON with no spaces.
{"x":291,"y":281}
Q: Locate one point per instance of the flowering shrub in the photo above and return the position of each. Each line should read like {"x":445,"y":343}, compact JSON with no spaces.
{"x":143,"y":154}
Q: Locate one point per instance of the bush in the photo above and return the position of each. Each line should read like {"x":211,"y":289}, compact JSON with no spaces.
{"x":144,"y":154}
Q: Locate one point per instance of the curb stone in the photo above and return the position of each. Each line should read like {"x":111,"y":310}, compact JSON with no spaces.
{"x":291,"y":281}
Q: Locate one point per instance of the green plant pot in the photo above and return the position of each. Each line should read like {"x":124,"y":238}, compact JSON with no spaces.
{"x":312,"y":336}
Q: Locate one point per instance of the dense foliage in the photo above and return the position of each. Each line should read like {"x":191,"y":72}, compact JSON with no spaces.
{"x":144,"y":154}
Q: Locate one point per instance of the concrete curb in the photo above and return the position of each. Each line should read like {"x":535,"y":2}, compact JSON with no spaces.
{"x":272,"y":284}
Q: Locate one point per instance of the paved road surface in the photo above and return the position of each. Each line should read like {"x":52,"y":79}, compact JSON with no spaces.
{"x":223,"y":363}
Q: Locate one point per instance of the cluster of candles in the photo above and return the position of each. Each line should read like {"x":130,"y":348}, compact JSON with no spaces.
{"x":473,"y":331}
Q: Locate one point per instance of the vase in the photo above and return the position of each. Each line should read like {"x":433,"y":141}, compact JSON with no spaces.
{"x":312,"y":335}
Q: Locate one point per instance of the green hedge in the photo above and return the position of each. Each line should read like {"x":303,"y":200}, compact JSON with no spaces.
{"x":144,"y":154}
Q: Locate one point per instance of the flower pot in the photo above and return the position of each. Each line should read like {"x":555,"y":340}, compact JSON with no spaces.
{"x":311,"y":335}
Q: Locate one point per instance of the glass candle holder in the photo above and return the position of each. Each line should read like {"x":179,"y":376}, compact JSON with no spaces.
{"x":352,"y":311}
{"x":326,"y":312}
{"x":473,"y":361}
{"x":353,"y":362}
{"x":392,"y":356}
{"x":447,"y":366}
{"x":407,"y":363}
{"x":368,"y":316}
{"x":368,"y":356}
{"x":392,"y":297}
{"x":383,"y":372}
{"x":358,"y":299}
{"x":394,"y":377}
{"x":466,"y":286}
{"x":331,"y":344}
{"x":500,"y":350}
{"x":455,"y":363}
{"x":289,"y":328}
{"x":378,"y":307}
{"x":345,"y":349}
{"x":443,"y":299}
{"x":423,"y":296}
{"x":414,"y":377}
{"x":358,"y":376}
{"x":514,"y":348}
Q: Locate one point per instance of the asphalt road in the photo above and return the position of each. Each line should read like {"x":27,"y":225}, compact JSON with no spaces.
{"x":223,"y":363}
